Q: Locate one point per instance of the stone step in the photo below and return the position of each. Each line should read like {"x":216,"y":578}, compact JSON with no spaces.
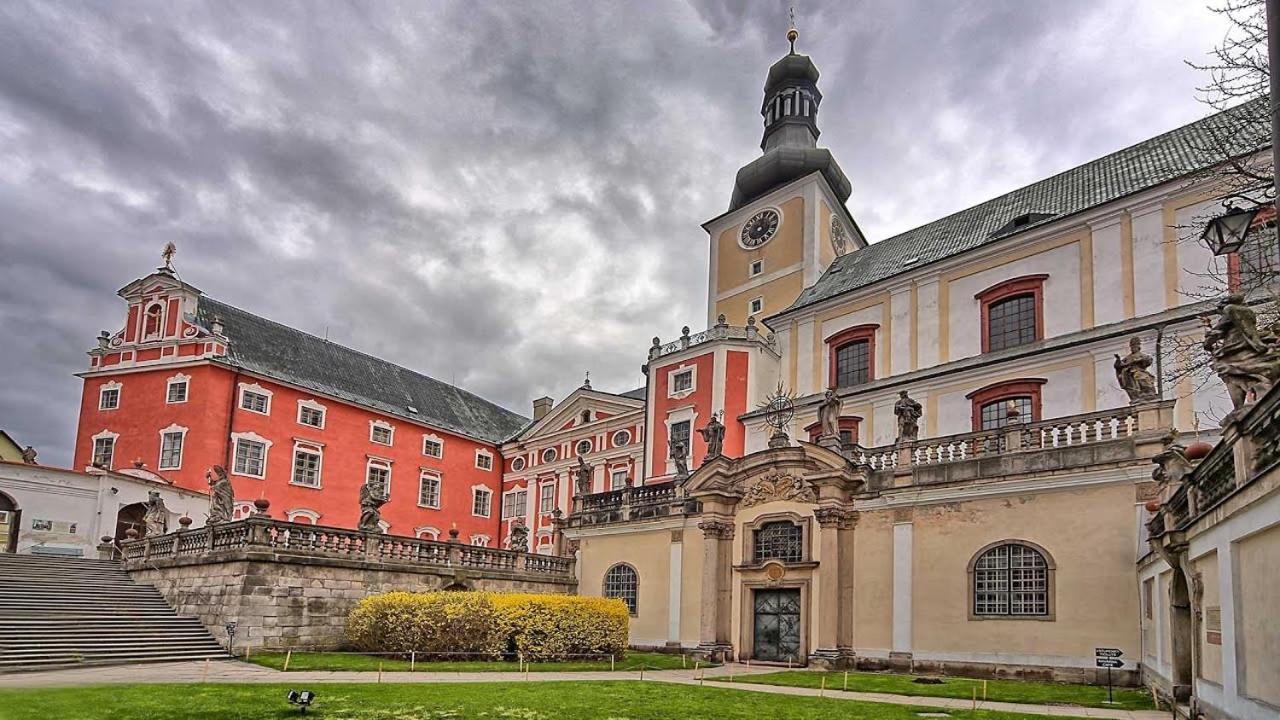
{"x":12,"y":653}
{"x":60,"y":661}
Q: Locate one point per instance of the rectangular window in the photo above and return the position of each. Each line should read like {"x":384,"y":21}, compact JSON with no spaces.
{"x":306,"y":467}
{"x":104,"y":450}
{"x":547,"y":499}
{"x":429,"y":490}
{"x":177,"y":392}
{"x":109,"y":399}
{"x":171,"y":450}
{"x":679,"y":434}
{"x":853,"y":363}
{"x":480,"y":500}
{"x":755,"y":306}
{"x":484,"y":460}
{"x":1001,"y":413}
{"x":432,"y":447}
{"x":251,"y":457}
{"x":254,"y":402}
{"x":379,"y":476}
{"x":1011,"y":323}
{"x":380,"y":434}
{"x":312,"y":416}
{"x":757,"y":267}
{"x":515,"y":504}
{"x":618,"y":479}
{"x":682,"y":381}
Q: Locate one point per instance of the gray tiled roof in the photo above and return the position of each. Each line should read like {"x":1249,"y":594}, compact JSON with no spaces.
{"x":280,"y":352}
{"x":637,"y":394}
{"x":1161,"y":159}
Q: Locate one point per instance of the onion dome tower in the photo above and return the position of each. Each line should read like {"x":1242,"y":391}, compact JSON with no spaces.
{"x":790,"y":142}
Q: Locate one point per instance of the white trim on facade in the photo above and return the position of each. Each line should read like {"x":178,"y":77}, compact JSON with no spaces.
{"x":382,"y":425}
{"x":681,"y":369}
{"x":256,"y":389}
{"x":293,"y":515}
{"x":181,"y":432}
{"x":312,"y":405}
{"x":236,"y":437}
{"x":119,"y":394}
{"x":488,"y":465}
{"x":311,"y":448}
{"x":178,"y":379}
{"x":432,"y":437}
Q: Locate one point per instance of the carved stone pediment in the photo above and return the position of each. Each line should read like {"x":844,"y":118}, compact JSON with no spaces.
{"x":778,"y":486}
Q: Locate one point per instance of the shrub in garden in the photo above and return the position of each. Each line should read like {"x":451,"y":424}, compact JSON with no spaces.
{"x":536,"y":627}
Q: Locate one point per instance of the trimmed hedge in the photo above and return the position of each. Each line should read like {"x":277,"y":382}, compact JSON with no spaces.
{"x":535,"y":627}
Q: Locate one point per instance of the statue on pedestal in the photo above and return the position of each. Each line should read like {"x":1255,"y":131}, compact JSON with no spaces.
{"x":222,"y":498}
{"x":1247,"y":362}
{"x":680,"y":456}
{"x":713,"y":435}
{"x":1133,"y":374}
{"x":908,"y":412}
{"x":1171,"y":462}
{"x":29,"y":455}
{"x":156,"y":516}
{"x":518,"y":538}
{"x":371,"y":502}
{"x":829,"y":415}
{"x":585,"y":473}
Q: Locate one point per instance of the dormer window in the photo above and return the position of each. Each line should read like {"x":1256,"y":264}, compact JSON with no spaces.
{"x":1020,"y":221}
{"x":153,"y":322}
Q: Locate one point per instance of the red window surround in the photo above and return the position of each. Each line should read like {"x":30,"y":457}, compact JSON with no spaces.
{"x":857,"y":333}
{"x":1005,"y":390}
{"x":847,"y":423}
{"x":1026,"y":285}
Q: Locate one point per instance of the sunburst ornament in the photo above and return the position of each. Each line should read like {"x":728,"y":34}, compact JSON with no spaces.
{"x":779,"y":409}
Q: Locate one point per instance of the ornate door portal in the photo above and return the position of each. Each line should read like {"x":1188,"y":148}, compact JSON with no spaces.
{"x":777,"y":625}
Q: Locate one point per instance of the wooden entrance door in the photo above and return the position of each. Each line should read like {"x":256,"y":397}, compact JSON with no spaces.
{"x":777,"y":625}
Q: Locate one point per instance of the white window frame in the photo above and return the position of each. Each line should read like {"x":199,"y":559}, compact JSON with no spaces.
{"x":432,"y":437}
{"x":257,"y":389}
{"x":752,"y":303}
{"x":543,"y":545}
{"x":102,"y":391}
{"x":545,"y":507}
{"x":421,"y":532}
{"x":312,"y":405}
{"x":518,"y":463}
{"x":293,"y":515}
{"x":311,"y":448}
{"x":482,"y":453}
{"x":591,"y":446}
{"x":516,"y":511}
{"x":142,"y":321}
{"x":235,"y":451}
{"x":677,"y":416}
{"x":475,"y":491}
{"x":181,"y":432}
{"x":425,"y":475}
{"x":756,"y":268}
{"x":383,"y":425}
{"x":613,"y":477}
{"x":671,"y":381}
{"x":179,"y":379}
{"x":480,"y":541}
{"x":380,"y":463}
{"x":542,"y":455}
{"x":104,"y":435}
{"x":613,"y":438}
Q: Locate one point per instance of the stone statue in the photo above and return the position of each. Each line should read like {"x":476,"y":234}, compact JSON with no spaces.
{"x":713,"y":434}
{"x":518,"y":538}
{"x":586,"y":475}
{"x":1171,"y":462}
{"x":1133,"y":374}
{"x":908,"y":412}
{"x":1247,"y":363}
{"x":680,"y":456}
{"x":156,"y":517}
{"x":29,"y":455}
{"x":829,"y":415}
{"x":371,"y":499}
{"x":222,"y":497}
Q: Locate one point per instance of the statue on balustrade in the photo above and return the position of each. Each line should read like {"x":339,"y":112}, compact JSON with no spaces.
{"x":829,"y":415}
{"x":586,"y":473}
{"x":1171,"y":462}
{"x":908,"y":412}
{"x":29,"y":455}
{"x":680,"y":456}
{"x":156,"y":516}
{"x":371,"y":502}
{"x":222,"y":497}
{"x":518,"y":537}
{"x":1134,"y":375}
{"x":713,"y":434}
{"x":1245,"y":358}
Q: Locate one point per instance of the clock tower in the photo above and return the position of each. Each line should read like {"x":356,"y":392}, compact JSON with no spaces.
{"x":787,"y":219}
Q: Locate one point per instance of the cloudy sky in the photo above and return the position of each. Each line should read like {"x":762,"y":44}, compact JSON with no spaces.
{"x":502,"y":195}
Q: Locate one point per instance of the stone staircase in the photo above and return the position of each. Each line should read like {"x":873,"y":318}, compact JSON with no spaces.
{"x":57,"y":611}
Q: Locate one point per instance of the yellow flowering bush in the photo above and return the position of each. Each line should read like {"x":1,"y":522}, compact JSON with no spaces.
{"x":535,"y":627}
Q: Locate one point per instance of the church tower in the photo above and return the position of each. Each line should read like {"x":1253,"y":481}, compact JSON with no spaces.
{"x":786,"y":220}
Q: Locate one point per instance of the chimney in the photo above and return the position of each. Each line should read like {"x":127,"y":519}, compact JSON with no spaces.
{"x":541,"y":407}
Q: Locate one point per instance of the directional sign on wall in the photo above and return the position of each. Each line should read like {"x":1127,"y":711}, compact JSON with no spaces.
{"x":1109,"y":662}
{"x":1107,"y":652}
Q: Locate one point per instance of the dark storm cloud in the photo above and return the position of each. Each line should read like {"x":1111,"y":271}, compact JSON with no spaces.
{"x":501,"y":195}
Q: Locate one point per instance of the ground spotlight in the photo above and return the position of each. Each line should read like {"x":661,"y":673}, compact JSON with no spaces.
{"x":301,"y":698}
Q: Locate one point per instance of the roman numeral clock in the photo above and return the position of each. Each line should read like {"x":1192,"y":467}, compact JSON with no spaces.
{"x":759,"y":229}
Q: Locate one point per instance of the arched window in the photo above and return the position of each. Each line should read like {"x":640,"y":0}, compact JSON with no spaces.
{"x":1011,"y":579}
{"x":852,"y":356}
{"x":153,"y":322}
{"x":621,"y":582}
{"x":779,"y":540}
{"x":1005,"y":403}
{"x":848,"y":430}
{"x":1012,"y":313}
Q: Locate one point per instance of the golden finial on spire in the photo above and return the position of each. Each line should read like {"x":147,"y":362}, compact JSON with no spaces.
{"x":792,"y":32}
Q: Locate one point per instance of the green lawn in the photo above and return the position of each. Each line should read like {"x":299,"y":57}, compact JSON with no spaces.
{"x":620,"y":700}
{"x":1021,"y":691}
{"x":354,"y":661}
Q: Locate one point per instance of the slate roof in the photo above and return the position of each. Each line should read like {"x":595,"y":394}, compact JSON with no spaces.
{"x":637,"y":394}
{"x":1161,"y":159}
{"x":282,"y":353}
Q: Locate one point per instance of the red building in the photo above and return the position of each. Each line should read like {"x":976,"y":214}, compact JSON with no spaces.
{"x":190,"y":382}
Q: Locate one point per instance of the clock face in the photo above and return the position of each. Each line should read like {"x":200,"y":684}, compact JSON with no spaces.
{"x":839,"y":240}
{"x":760,"y":228}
